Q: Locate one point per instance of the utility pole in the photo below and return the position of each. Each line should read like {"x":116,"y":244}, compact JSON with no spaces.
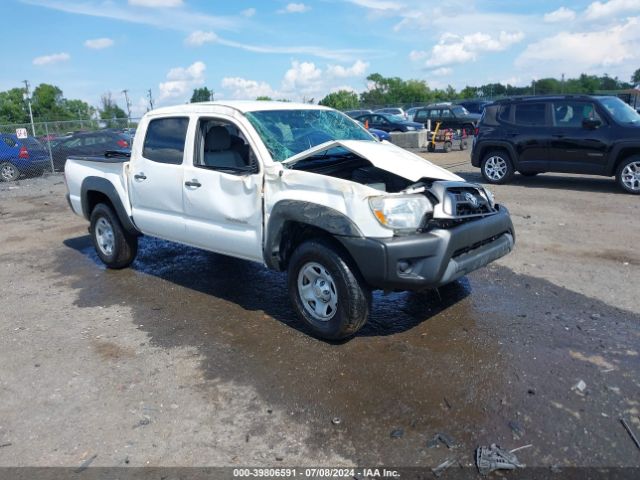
{"x":27,"y":97}
{"x":533,"y":82}
{"x":126,"y":97}
{"x":150,"y":99}
{"x":562,"y":85}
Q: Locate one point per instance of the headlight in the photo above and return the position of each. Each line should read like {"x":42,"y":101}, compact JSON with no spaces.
{"x":400,"y":212}
{"x":490,"y":198}
{"x":410,"y":129}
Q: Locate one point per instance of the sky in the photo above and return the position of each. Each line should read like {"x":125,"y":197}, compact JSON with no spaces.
{"x":306,"y":49}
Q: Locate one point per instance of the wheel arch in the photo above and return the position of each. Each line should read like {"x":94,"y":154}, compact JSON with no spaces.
{"x":96,"y":190}
{"x":292,"y":221}
{"x":620,"y":154}
{"x":484,"y":149}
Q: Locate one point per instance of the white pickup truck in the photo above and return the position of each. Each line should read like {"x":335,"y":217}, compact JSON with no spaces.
{"x":295,"y":187}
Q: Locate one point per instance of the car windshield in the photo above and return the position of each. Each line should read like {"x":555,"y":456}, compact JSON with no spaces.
{"x":619,"y":110}
{"x":288,"y":132}
{"x":459,"y":110}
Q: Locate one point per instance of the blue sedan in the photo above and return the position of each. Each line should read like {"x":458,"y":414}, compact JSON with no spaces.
{"x":389,"y":123}
{"x":21,"y":156}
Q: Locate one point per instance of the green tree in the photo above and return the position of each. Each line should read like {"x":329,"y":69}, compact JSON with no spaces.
{"x":341,"y":100}
{"x":396,"y":91}
{"x":635,"y":78}
{"x":202,"y":95}
{"x":13,"y":108}
{"x":110,"y":111}
{"x":264,"y":98}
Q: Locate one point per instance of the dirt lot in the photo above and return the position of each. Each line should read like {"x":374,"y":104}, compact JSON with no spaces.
{"x":191,"y":358}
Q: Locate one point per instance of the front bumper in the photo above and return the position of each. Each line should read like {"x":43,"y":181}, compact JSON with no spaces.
{"x":434,"y":258}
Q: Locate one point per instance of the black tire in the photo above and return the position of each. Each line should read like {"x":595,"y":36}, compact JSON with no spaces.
{"x":469,"y":129}
{"x":529,"y":174}
{"x":464,"y":145}
{"x":447,"y":146}
{"x":123,"y":246}
{"x":493,"y":160}
{"x":8,"y":172}
{"x":343,"y":287}
{"x":628,"y":174}
{"x":431,"y":147}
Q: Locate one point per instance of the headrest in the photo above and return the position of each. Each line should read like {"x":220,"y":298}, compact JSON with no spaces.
{"x":217,"y":139}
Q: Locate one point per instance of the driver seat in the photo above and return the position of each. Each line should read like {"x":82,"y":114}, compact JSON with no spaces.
{"x":217,"y":149}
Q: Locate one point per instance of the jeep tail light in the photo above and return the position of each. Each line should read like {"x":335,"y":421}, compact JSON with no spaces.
{"x":122,"y":143}
{"x":24,"y":153}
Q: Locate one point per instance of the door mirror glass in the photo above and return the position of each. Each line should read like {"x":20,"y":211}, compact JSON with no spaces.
{"x":591,"y":123}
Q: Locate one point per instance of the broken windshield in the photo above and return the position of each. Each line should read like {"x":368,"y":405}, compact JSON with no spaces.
{"x":288,"y":132}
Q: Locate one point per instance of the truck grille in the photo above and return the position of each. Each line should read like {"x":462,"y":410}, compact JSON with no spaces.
{"x":468,"y":201}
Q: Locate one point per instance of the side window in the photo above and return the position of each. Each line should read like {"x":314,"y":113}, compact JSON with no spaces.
{"x":532,"y":114}
{"x":446,"y":113}
{"x":221,"y":145}
{"x":164,"y":142}
{"x":9,"y":141}
{"x":504,"y":115}
{"x":572,"y":114}
{"x":435,"y":113}
{"x":421,"y":116}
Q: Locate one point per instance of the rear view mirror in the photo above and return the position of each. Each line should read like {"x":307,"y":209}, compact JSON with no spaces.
{"x":591,"y":124}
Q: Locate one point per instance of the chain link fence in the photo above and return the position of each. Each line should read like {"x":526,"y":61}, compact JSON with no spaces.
{"x":42,"y":148}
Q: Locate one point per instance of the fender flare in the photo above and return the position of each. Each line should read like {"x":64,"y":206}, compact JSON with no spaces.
{"x":614,"y":155}
{"x":104,"y":186}
{"x":325,"y":218}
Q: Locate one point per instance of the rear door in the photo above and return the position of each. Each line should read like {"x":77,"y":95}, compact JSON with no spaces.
{"x":529,"y":133}
{"x":575,"y":147}
{"x":156,"y":184}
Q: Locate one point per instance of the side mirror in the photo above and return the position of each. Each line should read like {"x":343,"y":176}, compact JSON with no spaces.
{"x":591,"y":124}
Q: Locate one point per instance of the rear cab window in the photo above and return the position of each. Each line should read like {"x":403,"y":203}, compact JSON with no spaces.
{"x":165,"y":139}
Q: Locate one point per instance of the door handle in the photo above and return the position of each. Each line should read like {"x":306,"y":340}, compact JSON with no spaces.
{"x":193,"y":183}
{"x":140,"y":176}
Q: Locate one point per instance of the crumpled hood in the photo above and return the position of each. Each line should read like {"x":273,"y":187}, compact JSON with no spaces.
{"x":386,"y":156}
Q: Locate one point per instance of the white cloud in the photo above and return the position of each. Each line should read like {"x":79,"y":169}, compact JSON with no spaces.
{"x":243,"y":88}
{"x":98,"y":43}
{"x":442,"y":71}
{"x":51,"y":59}
{"x":613,"y":7}
{"x":249,"y":12}
{"x":156,"y":3}
{"x":295,"y":8}
{"x":378,"y":4}
{"x":198,"y":38}
{"x":453,"y":49}
{"x":181,"y":80}
{"x":616,"y":48}
{"x":563,"y":14}
{"x":302,"y":77}
{"x":356,"y":70}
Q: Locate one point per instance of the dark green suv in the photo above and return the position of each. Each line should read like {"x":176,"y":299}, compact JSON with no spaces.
{"x":449,"y":115}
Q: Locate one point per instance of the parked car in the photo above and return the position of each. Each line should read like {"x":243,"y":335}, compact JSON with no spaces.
{"x":389,"y":123}
{"x":88,"y":143}
{"x":21,"y":157}
{"x":379,"y":134}
{"x":591,"y":135}
{"x":474,"y":106}
{"x":449,"y":116}
{"x":393,"y":111}
{"x":357,"y":113}
{"x":295,"y":187}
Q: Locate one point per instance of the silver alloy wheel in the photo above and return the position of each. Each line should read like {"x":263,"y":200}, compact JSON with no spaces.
{"x":8,"y":172}
{"x":495,"y":168}
{"x":317,"y":291}
{"x":104,"y":236}
{"x":630,"y":176}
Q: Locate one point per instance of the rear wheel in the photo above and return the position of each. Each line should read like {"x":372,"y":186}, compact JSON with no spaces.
{"x":327,"y":294}
{"x":447,"y":146}
{"x":628,"y":175}
{"x":115,"y":247}
{"x":8,"y":172}
{"x":497,"y":167}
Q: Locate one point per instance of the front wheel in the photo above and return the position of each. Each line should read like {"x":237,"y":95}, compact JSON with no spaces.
{"x":116,"y":248}
{"x":8,"y":172}
{"x":497,"y":167}
{"x":328,"y":296}
{"x":628,"y":175}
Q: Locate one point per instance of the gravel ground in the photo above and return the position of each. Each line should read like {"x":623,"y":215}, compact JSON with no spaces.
{"x":194,"y":359}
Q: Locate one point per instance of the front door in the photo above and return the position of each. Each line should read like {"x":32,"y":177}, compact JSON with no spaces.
{"x":222,"y":187}
{"x":156,"y":180}
{"x":577,"y":144}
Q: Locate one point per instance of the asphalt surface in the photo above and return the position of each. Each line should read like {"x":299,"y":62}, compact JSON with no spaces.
{"x":194,"y":359}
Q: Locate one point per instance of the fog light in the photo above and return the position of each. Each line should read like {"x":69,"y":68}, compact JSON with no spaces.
{"x":404,"y":266}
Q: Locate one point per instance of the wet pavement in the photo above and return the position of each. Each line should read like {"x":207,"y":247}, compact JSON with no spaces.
{"x":490,"y":359}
